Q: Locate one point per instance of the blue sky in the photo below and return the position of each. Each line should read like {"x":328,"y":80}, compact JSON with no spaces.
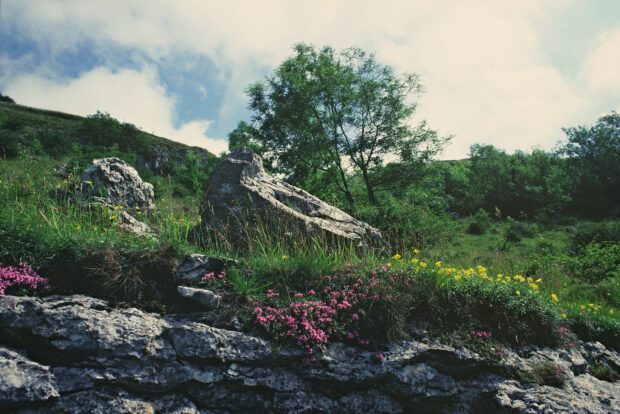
{"x":507,"y":73}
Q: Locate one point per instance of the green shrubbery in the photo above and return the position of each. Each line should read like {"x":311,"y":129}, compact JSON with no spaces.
{"x":596,"y":262}
{"x":479,"y":223}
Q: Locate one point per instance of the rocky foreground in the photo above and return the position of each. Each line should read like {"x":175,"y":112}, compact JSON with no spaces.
{"x":75,"y":354}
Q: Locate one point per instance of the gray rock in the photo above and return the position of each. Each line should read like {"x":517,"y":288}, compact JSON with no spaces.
{"x":239,"y":190}
{"x":129,"y":223}
{"x":24,"y":381}
{"x":204,"y":297}
{"x":86,"y":357}
{"x":113,"y":182}
{"x":193,"y":340}
{"x":195,"y":266}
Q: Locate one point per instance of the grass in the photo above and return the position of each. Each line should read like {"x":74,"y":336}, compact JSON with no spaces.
{"x":83,"y":250}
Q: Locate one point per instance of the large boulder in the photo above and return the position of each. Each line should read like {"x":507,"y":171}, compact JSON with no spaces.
{"x":111,"y":181}
{"x":239,"y":190}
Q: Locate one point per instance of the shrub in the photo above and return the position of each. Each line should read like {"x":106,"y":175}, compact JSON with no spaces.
{"x":601,"y":232}
{"x":6,"y":98}
{"x":596,"y":262}
{"x":549,"y":373}
{"x":517,"y":230}
{"x":589,"y":327}
{"x":603,"y":371}
{"x":479,"y":223}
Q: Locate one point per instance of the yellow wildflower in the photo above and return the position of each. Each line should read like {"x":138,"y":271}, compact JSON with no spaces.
{"x":423,"y":264}
{"x":438,"y":263}
{"x":518,"y":293}
{"x":563,"y":315}
{"x":457,"y":277}
{"x":397,"y":257}
{"x":415,"y":251}
{"x":554,"y":297}
{"x":284,"y":257}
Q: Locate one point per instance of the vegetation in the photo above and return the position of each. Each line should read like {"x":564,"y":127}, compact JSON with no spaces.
{"x":493,"y":250}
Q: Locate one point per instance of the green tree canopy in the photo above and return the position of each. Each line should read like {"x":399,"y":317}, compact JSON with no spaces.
{"x":335,"y":113}
{"x":593,"y":162}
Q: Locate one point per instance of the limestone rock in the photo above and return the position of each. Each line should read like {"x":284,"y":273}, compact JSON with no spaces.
{"x":195,"y":266}
{"x":204,"y":297}
{"x":77,"y":354}
{"x":239,"y":190}
{"x":131,"y":224}
{"x":111,"y":181}
{"x":23,"y":381}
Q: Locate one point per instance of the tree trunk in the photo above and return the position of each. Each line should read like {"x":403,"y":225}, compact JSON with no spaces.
{"x":372,"y":198}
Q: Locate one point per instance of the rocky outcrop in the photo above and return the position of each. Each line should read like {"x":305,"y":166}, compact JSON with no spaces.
{"x":204,"y":297}
{"x":76,"y":354}
{"x":113,"y":182}
{"x":240,"y":191}
{"x":195,"y":266}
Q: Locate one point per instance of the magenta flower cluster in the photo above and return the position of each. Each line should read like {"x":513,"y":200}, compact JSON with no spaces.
{"x":215,"y":280}
{"x":314,"y":318}
{"x":565,"y":337}
{"x":481,"y":334}
{"x":22,"y":276}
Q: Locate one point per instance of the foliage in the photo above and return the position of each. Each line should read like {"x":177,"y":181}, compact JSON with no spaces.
{"x":595,"y":232}
{"x":324,"y":110}
{"x":516,"y":230}
{"x":593,"y":163}
{"x":6,"y":98}
{"x":597,"y":262}
{"x":479,"y":223}
{"x":595,"y":326}
{"x":603,"y":371}
{"x":549,"y":373}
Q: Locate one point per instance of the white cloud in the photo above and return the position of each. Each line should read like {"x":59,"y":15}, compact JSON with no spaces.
{"x":487,"y":78}
{"x":601,"y":69}
{"x":134,"y":96}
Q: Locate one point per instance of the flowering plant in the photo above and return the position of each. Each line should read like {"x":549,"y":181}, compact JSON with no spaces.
{"x":23,"y":276}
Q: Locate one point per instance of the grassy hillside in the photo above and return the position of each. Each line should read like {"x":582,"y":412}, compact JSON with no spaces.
{"x":517,"y":282}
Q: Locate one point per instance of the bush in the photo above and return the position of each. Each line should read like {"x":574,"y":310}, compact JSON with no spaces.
{"x":6,"y":98}
{"x":589,"y":327}
{"x":480,"y":223}
{"x":600,"y":232}
{"x":596,"y":262}
{"x":549,"y":373}
{"x":517,"y":230}
{"x":404,"y":225}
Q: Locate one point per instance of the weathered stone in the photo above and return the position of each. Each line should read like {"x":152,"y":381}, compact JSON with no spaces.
{"x":195,"y":266}
{"x":106,"y":360}
{"x":113,"y":182}
{"x":239,"y":190}
{"x":23,"y":381}
{"x":204,"y":297}
{"x":129,"y":223}
{"x":197,"y":341}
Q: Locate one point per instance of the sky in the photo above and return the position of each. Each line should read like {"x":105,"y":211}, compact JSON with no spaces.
{"x":507,"y":73}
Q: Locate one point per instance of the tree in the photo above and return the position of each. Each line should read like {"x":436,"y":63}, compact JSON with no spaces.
{"x":593,"y":163}
{"x":337,"y":112}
